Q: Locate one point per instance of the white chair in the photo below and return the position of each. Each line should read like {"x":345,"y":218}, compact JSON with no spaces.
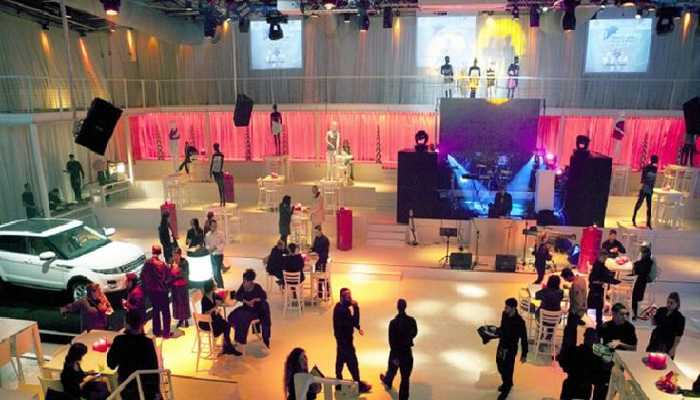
{"x":321,"y":289}
{"x":209,"y":340}
{"x":293,"y":292}
{"x":524,"y":304}
{"x":331,"y":195}
{"x":303,"y":381}
{"x":271,"y":194}
{"x":299,"y":230}
{"x":234,"y":229}
{"x":547,"y":327}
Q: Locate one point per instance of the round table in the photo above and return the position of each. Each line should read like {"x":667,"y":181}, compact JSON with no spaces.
{"x":619,"y":269}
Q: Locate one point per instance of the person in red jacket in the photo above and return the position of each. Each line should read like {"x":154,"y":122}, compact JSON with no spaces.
{"x":136,"y":298}
{"x":180,"y":271}
{"x":155,"y":279}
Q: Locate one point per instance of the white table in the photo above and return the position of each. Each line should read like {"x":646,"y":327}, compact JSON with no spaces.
{"x":300,"y":228}
{"x":17,"y":331}
{"x":16,"y":395}
{"x":278,"y":164}
{"x":682,"y":178}
{"x":93,"y":360}
{"x":231,"y":221}
{"x":619,"y":269}
{"x":271,"y":186}
{"x":665,"y":198}
{"x":629,"y":367}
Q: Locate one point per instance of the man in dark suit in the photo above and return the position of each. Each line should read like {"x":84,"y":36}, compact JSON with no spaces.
{"x":402,"y":331}
{"x":502,"y":204}
{"x":321,"y":248}
{"x":346,"y":318}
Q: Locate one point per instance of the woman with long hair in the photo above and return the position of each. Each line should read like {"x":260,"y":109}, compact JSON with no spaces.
{"x":78,"y":383}
{"x":180,"y":271}
{"x":296,"y":363}
{"x":286,"y":211}
{"x":94,"y":309}
{"x":167,"y":236}
{"x":195,"y":235}
{"x":669,"y":325}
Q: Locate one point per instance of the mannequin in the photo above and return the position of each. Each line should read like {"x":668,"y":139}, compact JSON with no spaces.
{"x":332,"y":147}
{"x":276,"y":128}
{"x":447,"y":77}
{"x":474,"y":77}
{"x":513,"y":73}
{"x":491,"y":80}
{"x":173,"y":143}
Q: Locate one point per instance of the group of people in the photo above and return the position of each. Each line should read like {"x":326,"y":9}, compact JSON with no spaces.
{"x":287,"y":257}
{"x":470,"y":78}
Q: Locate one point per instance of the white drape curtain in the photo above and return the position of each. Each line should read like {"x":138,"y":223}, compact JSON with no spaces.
{"x":16,"y":169}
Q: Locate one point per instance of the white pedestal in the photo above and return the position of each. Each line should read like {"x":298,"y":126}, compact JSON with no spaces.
{"x":544,"y":190}
{"x":279,"y":165}
{"x":175,"y":189}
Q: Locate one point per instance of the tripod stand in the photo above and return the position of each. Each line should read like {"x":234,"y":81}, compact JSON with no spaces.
{"x":447,"y":233}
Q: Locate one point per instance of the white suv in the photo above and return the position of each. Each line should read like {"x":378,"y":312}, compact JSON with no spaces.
{"x":63,"y":254}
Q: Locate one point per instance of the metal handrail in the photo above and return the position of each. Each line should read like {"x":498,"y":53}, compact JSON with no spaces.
{"x":136,"y":375}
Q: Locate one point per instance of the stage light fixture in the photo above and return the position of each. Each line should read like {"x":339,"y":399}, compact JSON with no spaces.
{"x":45,"y":26}
{"x":314,"y":15}
{"x":346,"y":18}
{"x":603,"y":4}
{"x":664,"y":20}
{"x":515,"y":13}
{"x":568,"y":21}
{"x":545,"y":9}
{"x":82,"y":33}
{"x":388,"y":18}
{"x":188,"y":5}
{"x":639,"y":13}
{"x":364,"y":23}
{"x":329,"y":4}
{"x":534,"y":16}
{"x":243,"y":25}
{"x":111,"y":6}
{"x":275,"y":20}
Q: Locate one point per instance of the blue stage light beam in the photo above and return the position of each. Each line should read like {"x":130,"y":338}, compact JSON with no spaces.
{"x":469,"y":187}
{"x":521,"y":180}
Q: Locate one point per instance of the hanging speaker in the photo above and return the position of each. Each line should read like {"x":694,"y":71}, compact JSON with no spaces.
{"x":244,"y":107}
{"x":98,"y":126}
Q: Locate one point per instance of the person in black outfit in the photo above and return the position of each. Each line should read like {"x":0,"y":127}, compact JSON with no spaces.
{"x":618,"y":333}
{"x":613,"y":246}
{"x":502,"y":204}
{"x":168,"y":237}
{"x":216,"y":171}
{"x":195,"y":235}
{"x":190,"y":151}
{"x":254,"y":306}
{"x":599,"y":276}
{"x":647,"y":189}
{"x":542,"y":255}
{"x":346,"y":318}
{"x":298,"y":363}
{"x":28,"y":202}
{"x":274,"y":263}
{"x":511,"y":331}
{"x":285,"y":212}
{"x":210,"y":305}
{"x":669,"y":327}
{"x":77,"y":175}
{"x":551,"y":295}
{"x":402,"y":331}
{"x":131,"y":352}
{"x":320,"y":248}
{"x":642,"y":269}
{"x":294,"y":262}
{"x":78,"y":383}
{"x":583,"y":368}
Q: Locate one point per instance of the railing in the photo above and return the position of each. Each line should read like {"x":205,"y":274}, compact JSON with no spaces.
{"x":166,"y":389}
{"x":39,"y":94}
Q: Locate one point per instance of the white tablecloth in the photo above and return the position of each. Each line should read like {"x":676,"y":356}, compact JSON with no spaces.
{"x":631,"y":363}
{"x":93,"y":360}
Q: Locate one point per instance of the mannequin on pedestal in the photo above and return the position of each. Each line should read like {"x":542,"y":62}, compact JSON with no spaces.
{"x":332,"y":147}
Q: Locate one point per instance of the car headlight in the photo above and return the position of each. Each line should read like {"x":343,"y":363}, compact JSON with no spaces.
{"x":109,"y":271}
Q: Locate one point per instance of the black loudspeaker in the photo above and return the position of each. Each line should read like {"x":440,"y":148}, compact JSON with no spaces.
{"x":505,"y":263}
{"x":587,"y":189}
{"x":461,"y":260}
{"x":244,"y":107}
{"x":691,"y":112}
{"x":98,"y":126}
{"x":417,"y":185}
{"x":547,"y":218}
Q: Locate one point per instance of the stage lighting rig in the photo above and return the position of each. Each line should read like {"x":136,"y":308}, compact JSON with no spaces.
{"x":275,"y":20}
{"x":534,"y":16}
{"x":664,"y":19}
{"x":515,"y":13}
{"x":111,"y":6}
{"x":364,"y":22}
{"x":388,"y":16}
{"x":568,"y":21}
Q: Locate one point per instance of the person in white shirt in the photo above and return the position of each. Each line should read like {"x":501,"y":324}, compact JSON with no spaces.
{"x":317,"y":207}
{"x":215,"y":242}
{"x":332,"y":147}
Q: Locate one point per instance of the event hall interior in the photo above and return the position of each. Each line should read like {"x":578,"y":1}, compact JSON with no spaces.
{"x":199,"y":197}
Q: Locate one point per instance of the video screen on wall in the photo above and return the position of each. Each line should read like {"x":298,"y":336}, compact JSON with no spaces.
{"x":618,"y":45}
{"x":438,"y":37}
{"x":285,"y":53}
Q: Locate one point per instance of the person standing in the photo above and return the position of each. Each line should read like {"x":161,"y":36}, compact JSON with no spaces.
{"x":582,"y":366}
{"x":215,"y":242}
{"x":155,"y":278}
{"x":77,"y":175}
{"x":216,"y":171}
{"x":332,"y":147}
{"x":577,"y":307}
{"x":276,"y":128}
{"x":285,"y":210}
{"x":491,"y":81}
{"x":599,"y":276}
{"x":207,"y":223}
{"x":134,"y":351}
{"x":513,"y":73}
{"x":173,"y":144}
{"x":647,"y":189}
{"x":669,"y":325}
{"x":642,"y":269}
{"x":613,"y":246}
{"x":474,"y":78}
{"x":254,"y":306}
{"x":195,"y":235}
{"x":94,"y":309}
{"x":346,"y":318}
{"x":180,"y":271}
{"x":321,"y":247}
{"x":168,"y":237}
{"x":542,"y":255}
{"x":448,"y":77}
{"x":317,"y":207}
{"x":28,"y":202}
{"x":688,"y":151}
{"x":190,"y":151}
{"x":346,"y":153}
{"x":136,"y":297}
{"x":512,"y":330}
{"x":402,"y":330}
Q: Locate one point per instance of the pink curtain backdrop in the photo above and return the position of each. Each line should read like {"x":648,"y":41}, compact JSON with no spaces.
{"x":306,"y":131}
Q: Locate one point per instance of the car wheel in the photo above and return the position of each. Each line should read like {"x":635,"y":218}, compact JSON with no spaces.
{"x":78,"y":289}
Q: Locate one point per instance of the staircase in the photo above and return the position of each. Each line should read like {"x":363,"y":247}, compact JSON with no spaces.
{"x":386,"y":234}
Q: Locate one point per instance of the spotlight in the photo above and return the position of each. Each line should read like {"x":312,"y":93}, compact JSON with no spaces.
{"x":329,"y":4}
{"x":314,"y":15}
{"x":664,"y":20}
{"x":364,"y":23}
{"x":534,"y":16}
{"x":568,"y":21}
{"x":82,"y":33}
{"x":275,"y":28}
{"x":545,"y":9}
{"x":45,"y":26}
{"x":346,"y":18}
{"x":515,"y":13}
{"x":603,"y":4}
{"x":638,"y":15}
{"x":243,"y":25}
{"x":111,"y":6}
{"x":188,"y":5}
{"x":388,"y":18}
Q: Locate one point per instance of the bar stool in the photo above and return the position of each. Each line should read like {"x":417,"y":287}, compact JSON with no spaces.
{"x":271,"y":194}
{"x":331,"y":195}
{"x":321,"y":290}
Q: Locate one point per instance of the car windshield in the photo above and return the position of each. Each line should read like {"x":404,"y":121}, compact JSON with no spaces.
{"x":75,"y":242}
